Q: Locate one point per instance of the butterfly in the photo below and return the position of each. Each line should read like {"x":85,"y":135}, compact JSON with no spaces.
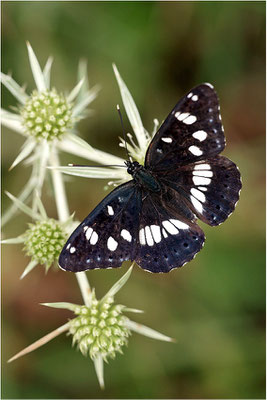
{"x":151,"y":219}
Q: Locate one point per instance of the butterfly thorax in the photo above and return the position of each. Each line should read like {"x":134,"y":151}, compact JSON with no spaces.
{"x":142,"y":176}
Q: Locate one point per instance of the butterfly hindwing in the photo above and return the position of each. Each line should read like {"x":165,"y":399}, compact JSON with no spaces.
{"x":210,"y":188}
{"x":107,"y":237}
{"x":167,"y":239}
{"x":192,"y":131}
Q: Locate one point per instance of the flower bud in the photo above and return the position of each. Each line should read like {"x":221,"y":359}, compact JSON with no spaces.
{"x":47,"y":115}
{"x":100,"y":329}
{"x":44,"y":241}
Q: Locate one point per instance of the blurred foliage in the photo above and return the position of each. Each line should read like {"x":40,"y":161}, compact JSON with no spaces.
{"x":215,"y":306}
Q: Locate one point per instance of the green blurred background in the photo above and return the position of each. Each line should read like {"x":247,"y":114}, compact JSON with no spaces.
{"x":215,"y":306}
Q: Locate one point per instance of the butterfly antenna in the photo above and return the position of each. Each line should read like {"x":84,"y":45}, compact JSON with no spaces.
{"x":95,"y":166}
{"x":124,"y":135}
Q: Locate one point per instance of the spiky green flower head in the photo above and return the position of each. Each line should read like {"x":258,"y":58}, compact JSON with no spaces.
{"x":47,"y":115}
{"x":100,"y":329}
{"x":44,"y":241}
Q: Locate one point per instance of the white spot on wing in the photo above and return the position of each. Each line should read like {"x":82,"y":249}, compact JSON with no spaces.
{"x":198,"y":195}
{"x":112,"y":244}
{"x":68,"y":246}
{"x":209,"y":85}
{"x":167,"y":139}
{"x":202,"y":166}
{"x":88,"y":233}
{"x":72,"y":249}
{"x":207,"y":174}
{"x":155,"y":230}
{"x":110,"y":210}
{"x":165,"y":234}
{"x":195,"y":97}
{"x":186,"y":118}
{"x":179,"y":224}
{"x":200,"y":135}
{"x":190,"y":95}
{"x":180,"y":116}
{"x":199,"y":180}
{"x":126,"y":235}
{"x":197,"y":204}
{"x":204,"y":189}
{"x":142,"y":238}
{"x":190,"y":120}
{"x":85,"y":228}
{"x":94,"y":238}
{"x":170,"y":227}
{"x":149,"y":238}
{"x":195,"y":150}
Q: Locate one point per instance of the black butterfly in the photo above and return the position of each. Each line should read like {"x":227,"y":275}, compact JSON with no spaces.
{"x":152,"y":218}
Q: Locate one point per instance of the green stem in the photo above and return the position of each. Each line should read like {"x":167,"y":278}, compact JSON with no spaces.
{"x":59,"y":188}
{"x":43,"y":152}
{"x":63,"y":214}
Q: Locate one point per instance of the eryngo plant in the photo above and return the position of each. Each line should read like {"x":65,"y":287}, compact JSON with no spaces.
{"x":99,"y":329}
{"x":47,"y":119}
{"x":44,"y":237}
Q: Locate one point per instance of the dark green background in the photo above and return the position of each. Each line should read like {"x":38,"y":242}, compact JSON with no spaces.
{"x":215,"y":306}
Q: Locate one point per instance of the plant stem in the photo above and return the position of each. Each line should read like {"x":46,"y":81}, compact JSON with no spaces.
{"x":43,"y":156}
{"x":63,"y":214}
{"x":85,"y":287}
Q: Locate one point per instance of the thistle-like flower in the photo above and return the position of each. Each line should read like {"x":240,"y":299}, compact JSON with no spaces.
{"x":47,"y":119}
{"x":47,"y":115}
{"x":44,"y":238}
{"x":100,"y":329}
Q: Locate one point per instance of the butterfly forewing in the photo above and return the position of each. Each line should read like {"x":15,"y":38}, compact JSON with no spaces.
{"x":192,"y":131}
{"x":108,"y":236}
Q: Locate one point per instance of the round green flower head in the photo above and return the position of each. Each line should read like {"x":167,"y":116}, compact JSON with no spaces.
{"x":44,"y":241}
{"x":100,"y":329}
{"x":46,"y":115}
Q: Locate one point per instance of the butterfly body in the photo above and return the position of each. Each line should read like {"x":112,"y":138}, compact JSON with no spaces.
{"x":152,"y":218}
{"x":142,"y":176}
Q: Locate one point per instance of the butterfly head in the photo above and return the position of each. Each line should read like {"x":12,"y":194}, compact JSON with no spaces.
{"x":142,"y":176}
{"x":133,"y":167}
